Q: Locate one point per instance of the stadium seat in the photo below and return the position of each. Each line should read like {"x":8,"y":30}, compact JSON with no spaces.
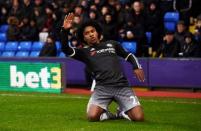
{"x":170,"y":20}
{"x":2,"y":46}
{"x":170,"y":26}
{"x":3,"y":28}
{"x":8,"y":54}
{"x":34,"y":53}
{"x":149,"y":36}
{"x":37,"y":46}
{"x":3,"y":37}
{"x":22,"y":54}
{"x":25,"y":46}
{"x":130,"y":47}
{"x":61,"y":54}
{"x":11,"y":46}
{"x":171,"y":17}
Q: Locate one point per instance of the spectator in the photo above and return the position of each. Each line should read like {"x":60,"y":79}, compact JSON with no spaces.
{"x":137,"y":14}
{"x":3,"y":14}
{"x":49,"y":49}
{"x":16,"y":10}
{"x":84,"y":4}
{"x":119,"y":9}
{"x":33,"y":34}
{"x":111,"y":4}
{"x":190,"y":47}
{"x":27,"y":9}
{"x":93,"y":7}
{"x":154,"y":24}
{"x":13,"y":31}
{"x":105,"y":10}
{"x":40,"y":6}
{"x":77,"y":21}
{"x":75,"y":43}
{"x":180,"y":33}
{"x":50,"y":17}
{"x":79,"y":10}
{"x":40,"y":19}
{"x":109,"y":26}
{"x":198,"y":29}
{"x":93,"y":15}
{"x":25,"y":29}
{"x":123,"y":14}
{"x":169,"y":47}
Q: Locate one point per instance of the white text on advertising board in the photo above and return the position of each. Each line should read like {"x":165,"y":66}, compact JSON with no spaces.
{"x":34,"y":79}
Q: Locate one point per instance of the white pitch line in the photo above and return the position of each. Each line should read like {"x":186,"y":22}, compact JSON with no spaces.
{"x":45,"y":96}
{"x":81,"y":97}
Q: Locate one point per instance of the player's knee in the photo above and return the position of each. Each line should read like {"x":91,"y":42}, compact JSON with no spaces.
{"x":93,"y":117}
{"x":138,"y":117}
{"x":136,"y":114}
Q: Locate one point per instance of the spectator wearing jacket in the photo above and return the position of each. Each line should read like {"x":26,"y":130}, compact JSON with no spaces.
{"x":181,"y":31}
{"x":49,"y":49}
{"x":190,"y":47}
{"x":169,"y":47}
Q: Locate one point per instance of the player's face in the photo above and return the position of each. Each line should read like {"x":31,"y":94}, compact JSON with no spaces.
{"x":91,"y":35}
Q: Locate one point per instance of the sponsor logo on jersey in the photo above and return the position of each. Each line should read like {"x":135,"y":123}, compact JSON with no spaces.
{"x":109,"y":50}
{"x":109,"y":45}
{"x":93,"y":51}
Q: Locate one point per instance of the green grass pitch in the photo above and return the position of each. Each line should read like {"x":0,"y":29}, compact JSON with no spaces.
{"x":53,"y":112}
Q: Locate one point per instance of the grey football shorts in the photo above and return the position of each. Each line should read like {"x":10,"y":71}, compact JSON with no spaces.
{"x":123,"y":96}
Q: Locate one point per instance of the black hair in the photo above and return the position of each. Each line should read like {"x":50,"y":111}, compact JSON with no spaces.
{"x":84,"y":25}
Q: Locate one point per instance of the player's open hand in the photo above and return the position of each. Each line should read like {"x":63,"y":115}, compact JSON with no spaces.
{"x":68,"y":20}
{"x":140,"y":74}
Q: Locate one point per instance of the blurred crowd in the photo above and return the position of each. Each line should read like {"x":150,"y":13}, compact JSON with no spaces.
{"x":121,"y":20}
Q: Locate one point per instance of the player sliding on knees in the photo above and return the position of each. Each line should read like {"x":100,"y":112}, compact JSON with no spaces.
{"x":102,"y":58}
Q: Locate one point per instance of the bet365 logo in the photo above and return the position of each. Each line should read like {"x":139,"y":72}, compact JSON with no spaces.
{"x":34,"y":79}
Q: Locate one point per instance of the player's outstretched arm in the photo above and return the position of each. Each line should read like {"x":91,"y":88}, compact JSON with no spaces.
{"x":67,"y":24}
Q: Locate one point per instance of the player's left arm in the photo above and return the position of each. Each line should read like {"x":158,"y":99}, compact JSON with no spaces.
{"x":138,"y":71}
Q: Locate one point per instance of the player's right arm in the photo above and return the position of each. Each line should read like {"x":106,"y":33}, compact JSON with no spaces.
{"x":69,"y":51}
